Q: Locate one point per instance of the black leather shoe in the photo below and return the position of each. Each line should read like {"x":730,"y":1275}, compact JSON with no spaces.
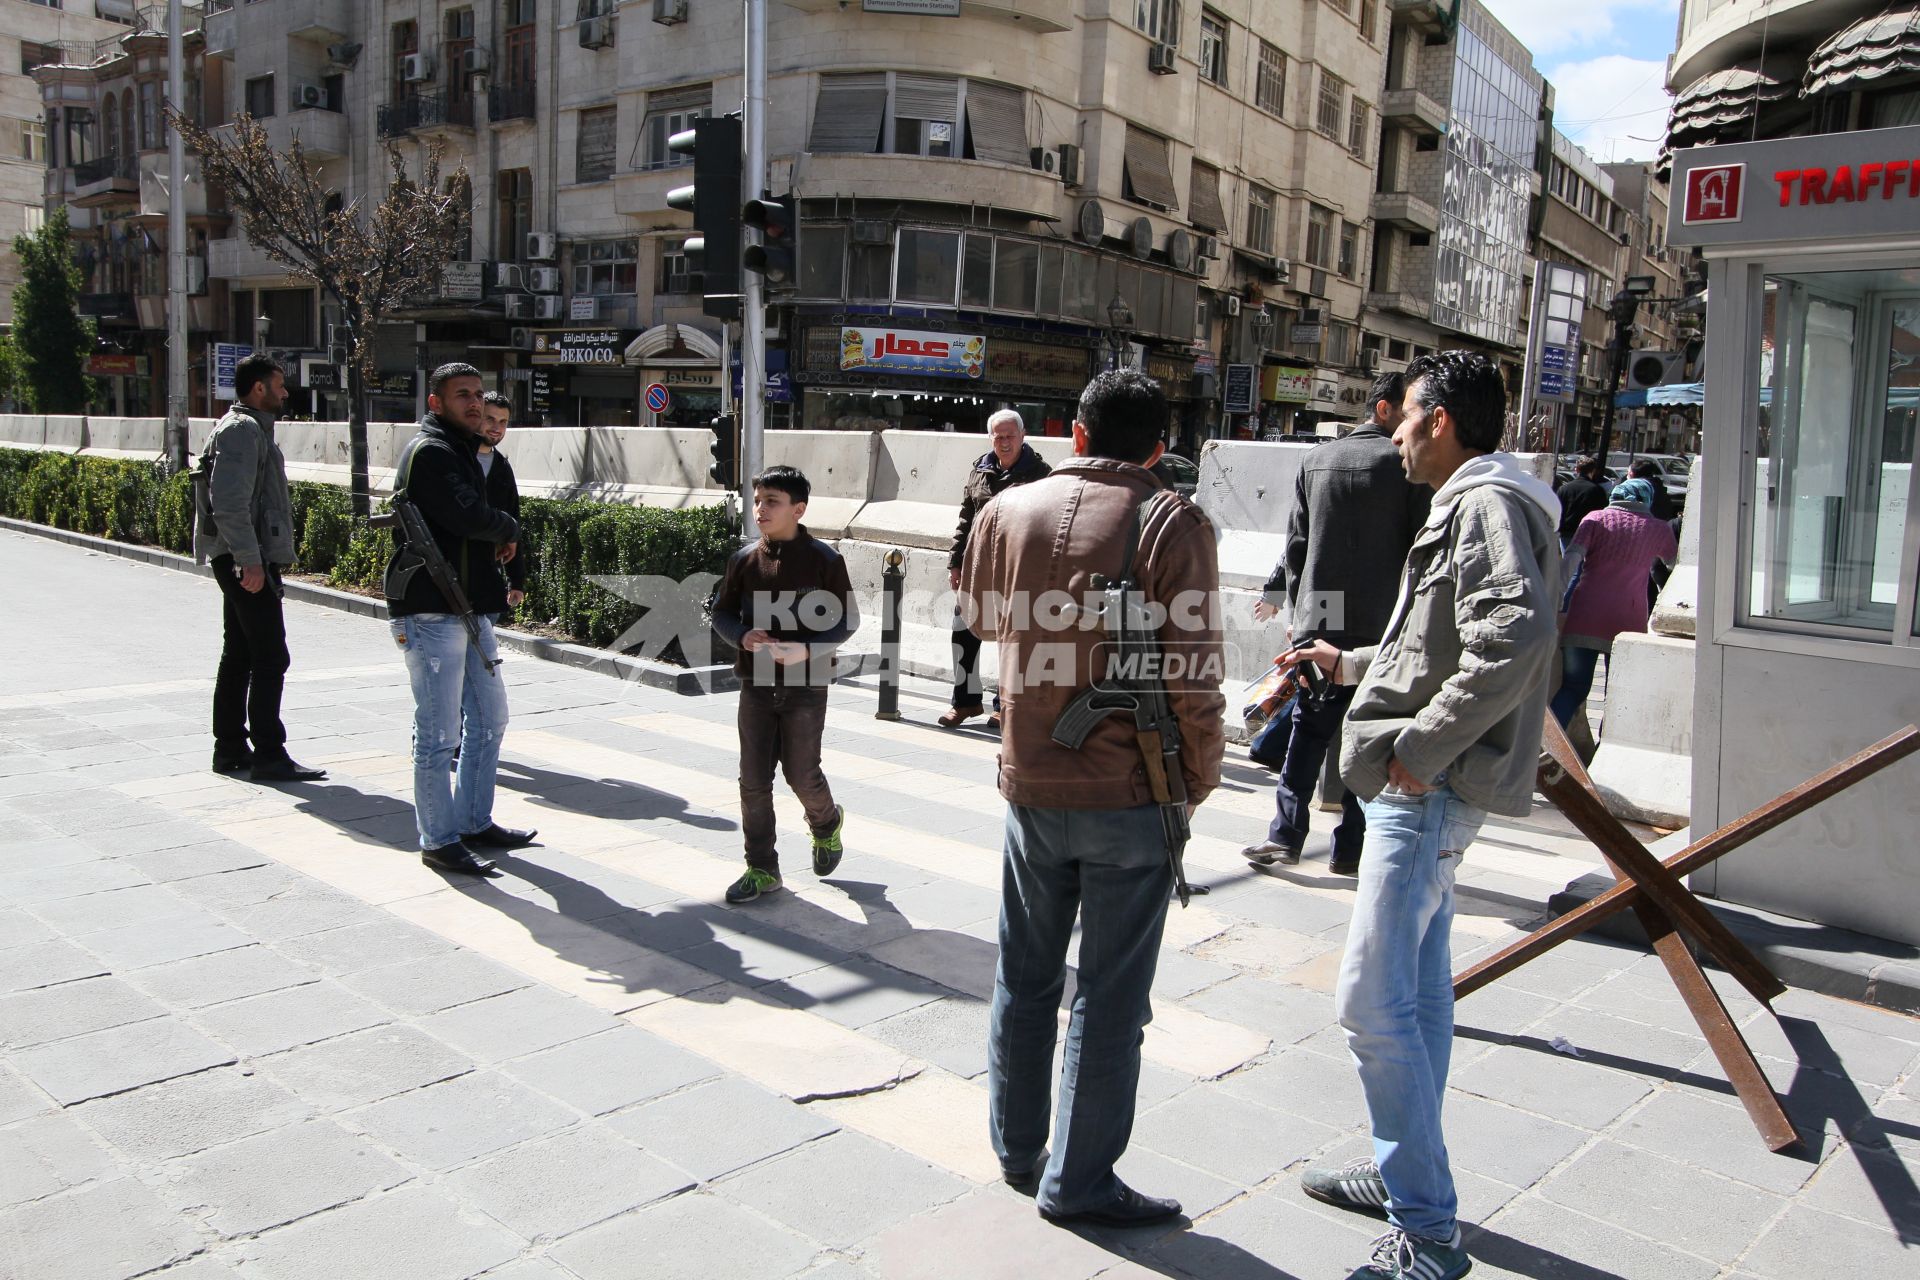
{"x":457,"y":857}
{"x":1128,"y":1209}
{"x":285,"y":769}
{"x":499,"y":837}
{"x":232,"y":761}
{"x":1025,"y":1180}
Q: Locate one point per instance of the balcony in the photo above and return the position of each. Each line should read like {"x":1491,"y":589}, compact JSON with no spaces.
{"x":1421,"y":15}
{"x":108,"y":180}
{"x":1413,"y":110}
{"x":427,"y":111}
{"x":915,"y":178}
{"x":511,"y":102}
{"x":222,"y":32}
{"x":1402,"y":209}
{"x":108,"y":307}
{"x":322,"y":21}
{"x":1400,"y":300}
{"x":323,"y":134}
{"x":235,"y":259}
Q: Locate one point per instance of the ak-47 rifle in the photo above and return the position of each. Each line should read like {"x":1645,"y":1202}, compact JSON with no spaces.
{"x":1133,"y":684}
{"x":419,"y":551}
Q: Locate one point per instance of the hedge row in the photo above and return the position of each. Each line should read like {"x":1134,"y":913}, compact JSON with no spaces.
{"x":570,"y":542}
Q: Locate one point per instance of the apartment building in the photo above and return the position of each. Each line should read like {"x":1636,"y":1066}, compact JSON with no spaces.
{"x":1668,"y":325}
{"x":1576,"y":222}
{"x":34,"y":33}
{"x":1464,"y":128}
{"x":1183,"y":186}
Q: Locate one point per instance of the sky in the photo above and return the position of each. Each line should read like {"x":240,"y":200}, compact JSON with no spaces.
{"x":1607,"y":62}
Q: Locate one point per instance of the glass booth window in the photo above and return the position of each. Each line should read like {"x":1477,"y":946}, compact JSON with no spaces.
{"x":1833,"y":475}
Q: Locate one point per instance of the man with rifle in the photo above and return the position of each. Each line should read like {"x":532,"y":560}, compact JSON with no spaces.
{"x":1105,"y":749}
{"x":444,"y":590}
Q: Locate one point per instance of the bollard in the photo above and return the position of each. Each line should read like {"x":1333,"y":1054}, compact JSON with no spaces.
{"x":893,"y":575}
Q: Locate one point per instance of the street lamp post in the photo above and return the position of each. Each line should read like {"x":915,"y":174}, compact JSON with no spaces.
{"x":1625,"y":305}
{"x":1119,"y":324}
{"x":1263,"y":325}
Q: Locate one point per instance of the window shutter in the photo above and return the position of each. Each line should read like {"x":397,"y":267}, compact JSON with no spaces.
{"x":684,"y":98}
{"x":593,"y":158}
{"x":848,"y":112}
{"x":925,"y":97}
{"x":997,"y":118}
{"x":1205,"y":210}
{"x":1147,"y":171}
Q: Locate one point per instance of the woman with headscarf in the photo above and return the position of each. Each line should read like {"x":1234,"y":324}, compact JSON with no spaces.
{"x":1604,"y":576}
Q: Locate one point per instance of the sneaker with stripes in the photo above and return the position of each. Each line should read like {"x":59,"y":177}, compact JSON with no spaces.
{"x":1356,"y":1185}
{"x":1400,"y":1255}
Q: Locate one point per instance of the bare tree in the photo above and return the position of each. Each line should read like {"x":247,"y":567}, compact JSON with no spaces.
{"x":370,"y":261}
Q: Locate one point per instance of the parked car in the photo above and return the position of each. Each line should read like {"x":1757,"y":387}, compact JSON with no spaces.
{"x":1675,"y":471}
{"x":1178,"y":472}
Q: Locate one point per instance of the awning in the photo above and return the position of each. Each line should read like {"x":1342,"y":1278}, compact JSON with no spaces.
{"x":1723,"y":102}
{"x":1871,"y":48}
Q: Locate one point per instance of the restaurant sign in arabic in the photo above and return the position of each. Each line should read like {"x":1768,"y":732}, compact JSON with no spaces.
{"x":933,"y":355}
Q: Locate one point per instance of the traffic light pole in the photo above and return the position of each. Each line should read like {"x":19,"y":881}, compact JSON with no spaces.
{"x":753,"y":313}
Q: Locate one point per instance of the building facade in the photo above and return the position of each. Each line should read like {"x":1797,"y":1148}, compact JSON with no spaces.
{"x":1668,"y":325}
{"x":1576,"y":221}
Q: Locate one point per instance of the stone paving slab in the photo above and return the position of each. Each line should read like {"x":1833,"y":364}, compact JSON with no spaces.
{"x":259,"y":1039}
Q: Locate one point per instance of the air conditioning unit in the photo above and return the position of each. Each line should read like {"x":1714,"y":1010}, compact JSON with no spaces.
{"x":587,"y":308}
{"x":872,"y":232}
{"x":542,"y":246}
{"x":309,"y":95}
{"x":476,"y":61}
{"x":338,"y":355}
{"x":1161,"y":60}
{"x":338,"y":335}
{"x":1369,"y":358}
{"x":544,"y":279}
{"x":1230,"y":306}
{"x":1206,"y":247}
{"x":1313,"y":315}
{"x":596,"y":33}
{"x":1045,"y":159}
{"x":1655,"y":369}
{"x":548,"y":307}
{"x":519,"y":306}
{"x":669,"y":13}
{"x":520,"y":339}
{"x":416,"y":68}
{"x":1317,"y":285}
{"x":1069,"y":164}
{"x":509,"y":275}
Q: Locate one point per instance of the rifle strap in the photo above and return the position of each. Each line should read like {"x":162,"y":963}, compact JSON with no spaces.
{"x":1140,"y":514}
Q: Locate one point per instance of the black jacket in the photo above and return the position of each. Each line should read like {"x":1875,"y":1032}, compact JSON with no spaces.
{"x":777,"y":587}
{"x":443,"y":479}
{"x":503,"y":494}
{"x":984,"y":483}
{"x":1355,"y":514}
{"x":1579,"y":498}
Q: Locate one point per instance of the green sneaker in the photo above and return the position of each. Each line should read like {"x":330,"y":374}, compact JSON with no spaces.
{"x":1399,"y":1255}
{"x":827,"y":848}
{"x":1355,"y":1185}
{"x":751,"y":885}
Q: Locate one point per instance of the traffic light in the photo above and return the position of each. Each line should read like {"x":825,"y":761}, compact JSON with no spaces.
{"x":725,"y":448}
{"x":774,"y":257}
{"x":714,"y":201}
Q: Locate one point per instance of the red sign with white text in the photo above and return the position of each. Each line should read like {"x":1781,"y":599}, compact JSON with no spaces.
{"x":1714,"y":193}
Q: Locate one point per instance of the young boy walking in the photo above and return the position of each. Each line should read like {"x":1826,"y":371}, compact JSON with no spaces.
{"x":786,"y":604}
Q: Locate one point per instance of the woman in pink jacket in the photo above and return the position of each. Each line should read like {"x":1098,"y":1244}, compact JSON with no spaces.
{"x":1608,"y":564}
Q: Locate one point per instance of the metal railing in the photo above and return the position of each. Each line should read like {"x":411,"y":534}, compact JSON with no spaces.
{"x":424,"y":111}
{"x":511,"y":101}
{"x":88,"y":172}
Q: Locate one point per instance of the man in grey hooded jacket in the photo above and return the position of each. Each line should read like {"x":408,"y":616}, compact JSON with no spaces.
{"x":1444,"y":728}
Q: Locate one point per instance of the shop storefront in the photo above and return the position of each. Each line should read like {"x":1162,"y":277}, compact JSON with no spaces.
{"x":685,"y":362}
{"x":860,"y":375}
{"x":588,"y":382}
{"x":1810,"y":542}
{"x":1286,"y":394}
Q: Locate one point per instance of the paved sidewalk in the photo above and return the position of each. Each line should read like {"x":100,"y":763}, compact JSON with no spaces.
{"x":244,"y":1032}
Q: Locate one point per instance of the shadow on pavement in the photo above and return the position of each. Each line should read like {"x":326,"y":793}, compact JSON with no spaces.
{"x":613,"y":798}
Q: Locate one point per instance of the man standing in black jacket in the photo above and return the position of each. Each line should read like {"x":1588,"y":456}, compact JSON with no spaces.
{"x":1354,"y":517}
{"x":1580,"y":497}
{"x":1011,"y":461}
{"x":503,"y":491}
{"x":441,"y":475}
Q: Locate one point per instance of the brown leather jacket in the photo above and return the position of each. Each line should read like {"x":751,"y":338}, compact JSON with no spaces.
{"x":1051,"y":536}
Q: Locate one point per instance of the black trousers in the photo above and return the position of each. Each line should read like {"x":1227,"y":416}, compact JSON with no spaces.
{"x":1316,"y":727}
{"x":967,"y":692}
{"x":253,"y":665}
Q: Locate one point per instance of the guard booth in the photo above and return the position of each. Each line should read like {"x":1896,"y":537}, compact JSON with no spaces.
{"x":1808,"y":636}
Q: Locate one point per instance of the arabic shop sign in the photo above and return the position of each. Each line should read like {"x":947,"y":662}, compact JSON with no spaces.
{"x":1033,"y":365}
{"x":1286,"y":385}
{"x":581,"y":346}
{"x":932,"y":355}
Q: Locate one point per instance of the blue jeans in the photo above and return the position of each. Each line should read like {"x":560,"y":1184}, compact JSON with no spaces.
{"x":1576,"y":681}
{"x":1109,"y":866}
{"x":456,"y":702}
{"x":1395,"y":998}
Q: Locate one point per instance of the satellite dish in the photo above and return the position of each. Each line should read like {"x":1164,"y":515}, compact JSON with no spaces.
{"x":1092,"y":224}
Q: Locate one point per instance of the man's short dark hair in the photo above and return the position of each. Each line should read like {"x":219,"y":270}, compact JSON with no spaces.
{"x":447,"y":372}
{"x":497,"y":400}
{"x":1588,"y":466}
{"x":253,"y":371}
{"x":1469,"y":387}
{"x":788,"y":480}
{"x":1389,"y":386}
{"x":1645,"y":469}
{"x":1125,"y":413}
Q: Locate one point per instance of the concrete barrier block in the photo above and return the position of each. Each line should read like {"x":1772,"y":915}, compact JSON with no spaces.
{"x":198,"y":429}
{"x":1248,"y":485}
{"x":23,"y":431}
{"x":548,"y":462}
{"x":838,"y":464}
{"x":642,"y":495}
{"x":928,"y":525}
{"x":68,"y":434}
{"x":666,"y":459}
{"x":1247,"y":556}
{"x":1643,"y":769}
{"x":136,"y":438}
